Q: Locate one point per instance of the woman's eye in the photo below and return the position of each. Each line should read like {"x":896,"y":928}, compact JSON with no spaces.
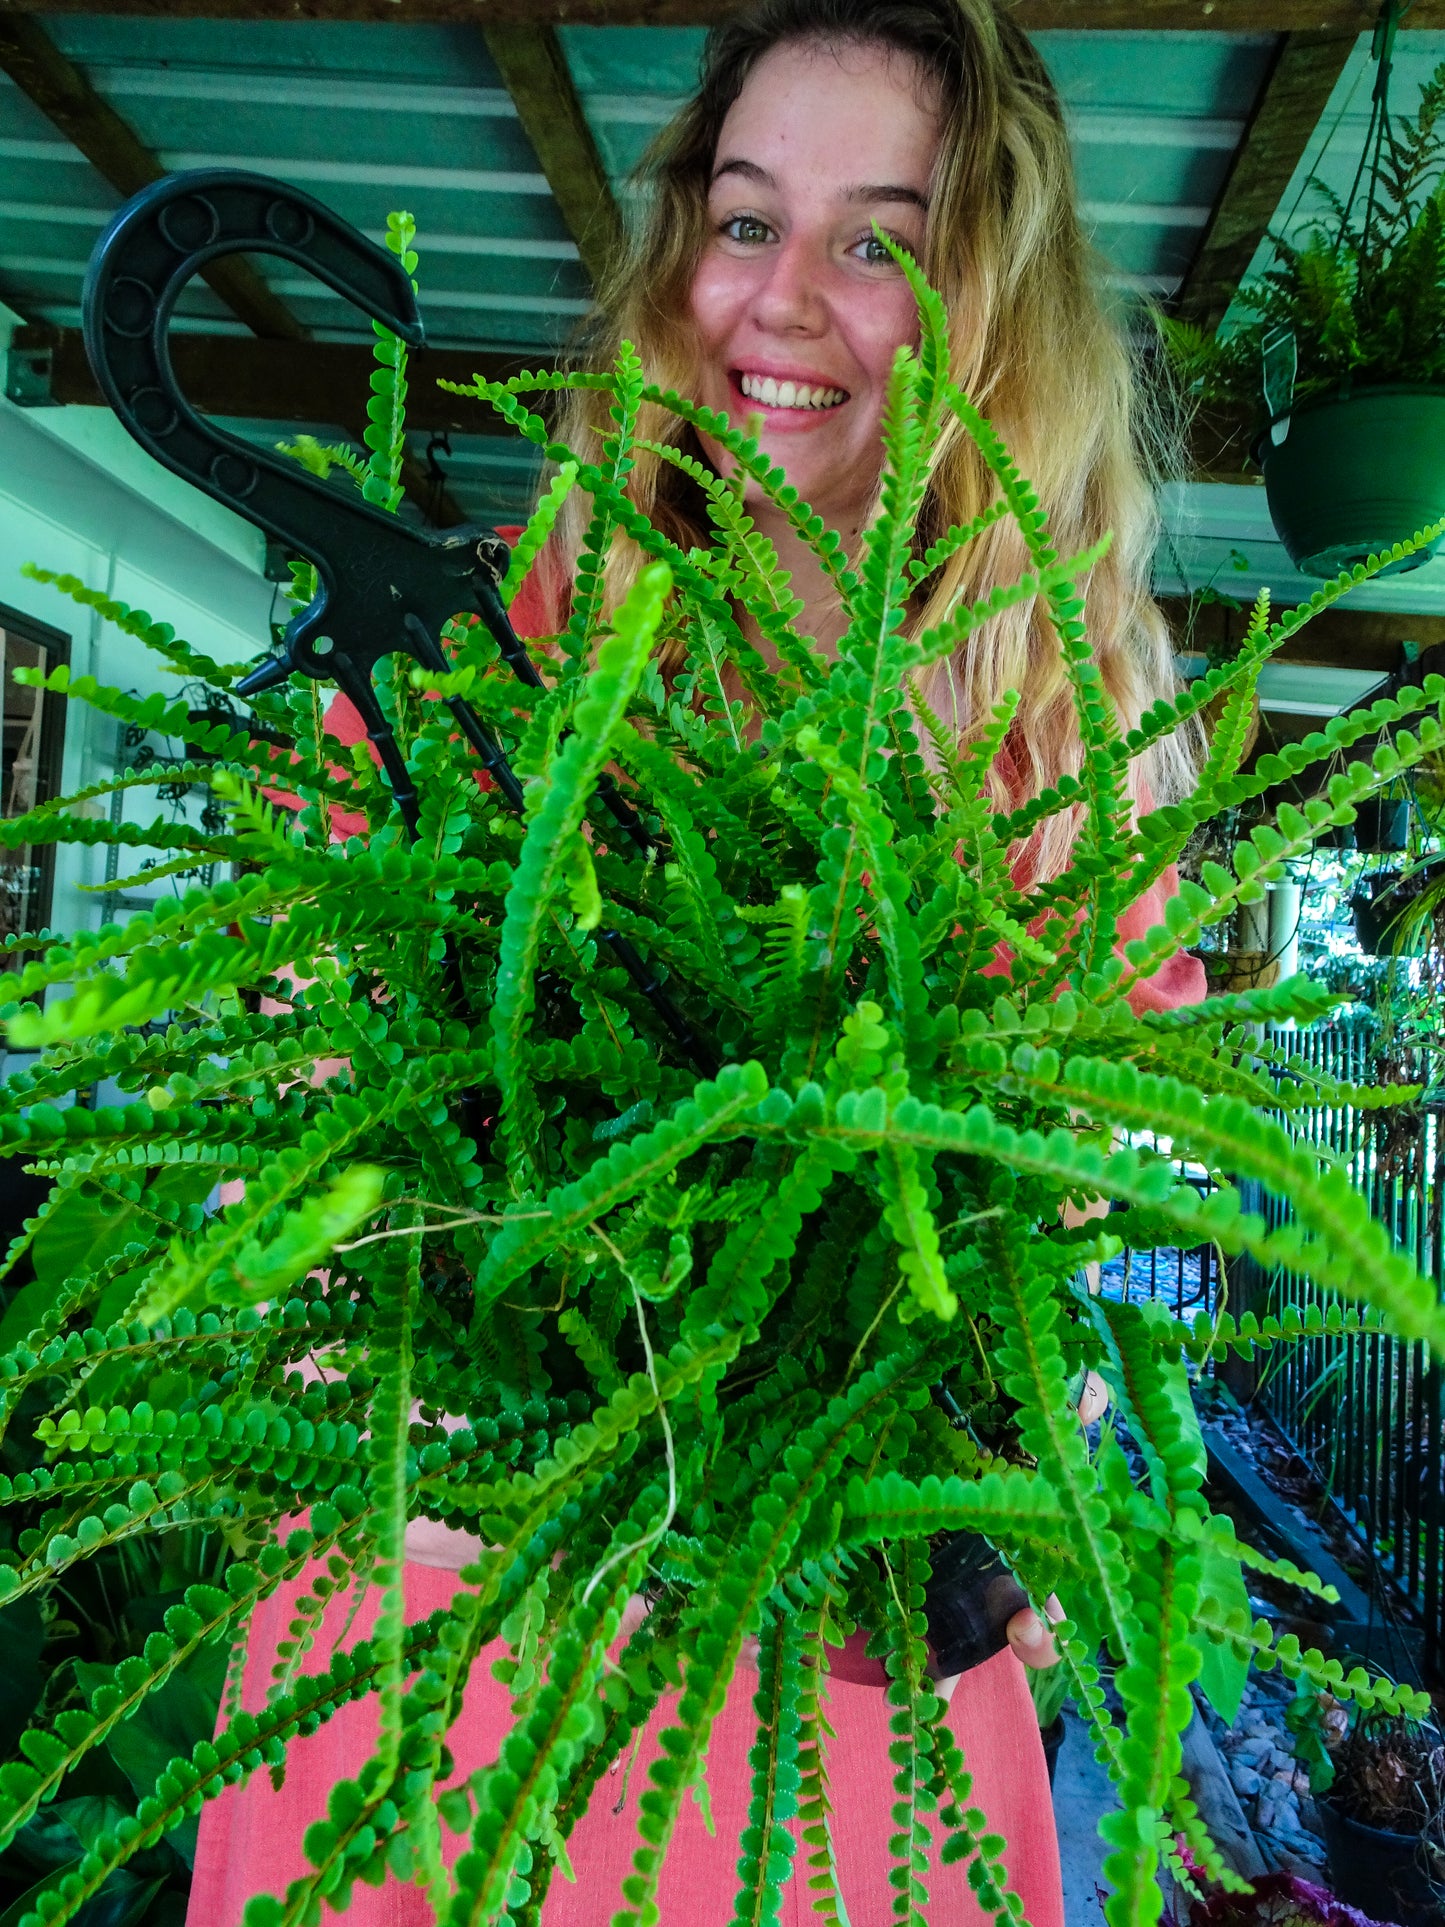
{"x":748,"y":229}
{"x":872,"y":250}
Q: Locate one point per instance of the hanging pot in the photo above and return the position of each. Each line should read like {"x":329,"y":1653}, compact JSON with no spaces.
{"x":1355,"y":474}
{"x":969,"y":1600}
{"x":1381,"y":828}
{"x":1378,"y":910}
{"x":1378,"y":1870}
{"x":1234,"y":970}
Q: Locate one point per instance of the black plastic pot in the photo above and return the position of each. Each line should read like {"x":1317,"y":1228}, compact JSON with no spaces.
{"x":970,"y":1597}
{"x":1376,"y":918}
{"x":1380,"y":1872}
{"x":1377,"y":913}
{"x":1355,"y":474}
{"x":1381,"y":828}
{"x":1053,"y":1738}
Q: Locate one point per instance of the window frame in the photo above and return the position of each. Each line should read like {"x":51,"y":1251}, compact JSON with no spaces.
{"x":50,"y":757}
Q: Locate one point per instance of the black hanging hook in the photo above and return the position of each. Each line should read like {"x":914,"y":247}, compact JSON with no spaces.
{"x":384,"y":587}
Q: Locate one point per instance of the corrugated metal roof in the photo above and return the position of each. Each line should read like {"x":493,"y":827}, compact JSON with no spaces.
{"x":368,"y":118}
{"x":371,"y":117}
{"x":376,"y":117}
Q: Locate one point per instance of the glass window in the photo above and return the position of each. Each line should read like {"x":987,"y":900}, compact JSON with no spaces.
{"x":32,"y":740}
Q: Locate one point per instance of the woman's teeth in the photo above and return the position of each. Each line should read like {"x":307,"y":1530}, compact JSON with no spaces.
{"x":788,"y":394}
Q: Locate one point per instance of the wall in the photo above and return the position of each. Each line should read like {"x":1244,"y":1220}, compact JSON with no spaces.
{"x":78,"y":496}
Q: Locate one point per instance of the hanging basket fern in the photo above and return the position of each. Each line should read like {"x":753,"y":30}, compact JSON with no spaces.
{"x":666,"y":1329}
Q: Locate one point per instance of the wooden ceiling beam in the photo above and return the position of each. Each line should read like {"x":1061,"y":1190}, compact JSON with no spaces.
{"x":1128,"y":16}
{"x":1285,"y":115}
{"x":535,"y":73}
{"x":318,"y":383}
{"x":1364,"y":639}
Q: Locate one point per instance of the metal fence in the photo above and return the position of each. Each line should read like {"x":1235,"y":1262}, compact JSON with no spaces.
{"x":1364,"y":1412}
{"x":1187,"y":1281}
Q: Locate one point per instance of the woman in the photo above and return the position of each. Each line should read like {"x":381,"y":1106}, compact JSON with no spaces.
{"x":757,"y":284}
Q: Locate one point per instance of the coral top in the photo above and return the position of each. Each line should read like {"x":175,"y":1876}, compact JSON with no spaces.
{"x":251,"y":1836}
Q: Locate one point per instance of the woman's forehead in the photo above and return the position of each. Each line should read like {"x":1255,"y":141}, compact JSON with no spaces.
{"x":857,"y":116}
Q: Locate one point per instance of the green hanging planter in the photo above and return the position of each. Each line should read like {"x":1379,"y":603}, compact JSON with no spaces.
{"x":1355,"y":474}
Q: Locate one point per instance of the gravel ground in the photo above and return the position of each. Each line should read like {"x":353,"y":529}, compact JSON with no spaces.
{"x":1258,"y":1753}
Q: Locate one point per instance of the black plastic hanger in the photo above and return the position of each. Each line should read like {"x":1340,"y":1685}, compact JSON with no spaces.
{"x":384,"y":587}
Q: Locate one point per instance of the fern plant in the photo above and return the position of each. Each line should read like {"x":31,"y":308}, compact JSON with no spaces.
{"x":686,"y":1305}
{"x":1362,"y":295}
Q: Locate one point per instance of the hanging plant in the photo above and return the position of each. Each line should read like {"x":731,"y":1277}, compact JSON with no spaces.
{"x":689,"y":1331}
{"x":1338,"y":348}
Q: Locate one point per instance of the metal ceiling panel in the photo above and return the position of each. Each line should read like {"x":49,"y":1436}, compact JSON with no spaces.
{"x":370,"y":118}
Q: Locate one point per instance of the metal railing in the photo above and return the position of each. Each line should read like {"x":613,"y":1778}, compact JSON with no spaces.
{"x":1364,"y":1412}
{"x":1187,"y":1281}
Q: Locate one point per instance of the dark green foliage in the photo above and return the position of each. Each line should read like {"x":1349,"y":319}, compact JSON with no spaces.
{"x":1363,"y":294}
{"x":688,"y":1324}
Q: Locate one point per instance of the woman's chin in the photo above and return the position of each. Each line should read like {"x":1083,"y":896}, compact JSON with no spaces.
{"x":810,"y":466}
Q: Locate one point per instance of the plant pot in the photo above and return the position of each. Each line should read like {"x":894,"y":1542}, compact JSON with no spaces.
{"x":1375,"y":921}
{"x":1234,"y":970}
{"x":1355,"y":474}
{"x":1381,"y":828}
{"x":1052,"y":1736}
{"x":970,"y":1597}
{"x":1377,"y":915}
{"x":1379,"y":1871}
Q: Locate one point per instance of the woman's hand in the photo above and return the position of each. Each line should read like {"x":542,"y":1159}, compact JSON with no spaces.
{"x":1093,"y":1400}
{"x":1031,"y":1638}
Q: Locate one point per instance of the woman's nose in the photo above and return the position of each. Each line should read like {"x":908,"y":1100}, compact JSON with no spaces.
{"x":792,"y":298}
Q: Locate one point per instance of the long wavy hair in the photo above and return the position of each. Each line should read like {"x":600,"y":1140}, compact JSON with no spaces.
{"x":1032,"y":344}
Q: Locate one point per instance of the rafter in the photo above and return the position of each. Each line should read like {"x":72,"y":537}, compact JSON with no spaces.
{"x":534,"y":72}
{"x":1206,"y":16}
{"x":319,"y":383}
{"x":65,"y":96}
{"x":1285,"y":116}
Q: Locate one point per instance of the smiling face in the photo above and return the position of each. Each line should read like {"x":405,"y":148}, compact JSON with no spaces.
{"x":798,"y":309}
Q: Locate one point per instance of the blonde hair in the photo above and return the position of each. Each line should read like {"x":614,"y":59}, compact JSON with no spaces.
{"x":1032,"y":346}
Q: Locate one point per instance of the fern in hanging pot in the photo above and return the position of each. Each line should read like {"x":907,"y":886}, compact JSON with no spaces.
{"x":1337,"y":351}
{"x":651,"y":1329}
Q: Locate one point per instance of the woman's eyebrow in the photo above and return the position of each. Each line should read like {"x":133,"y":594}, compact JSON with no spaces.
{"x":868,"y":194}
{"x":749,"y":170}
{"x":888,"y":191}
